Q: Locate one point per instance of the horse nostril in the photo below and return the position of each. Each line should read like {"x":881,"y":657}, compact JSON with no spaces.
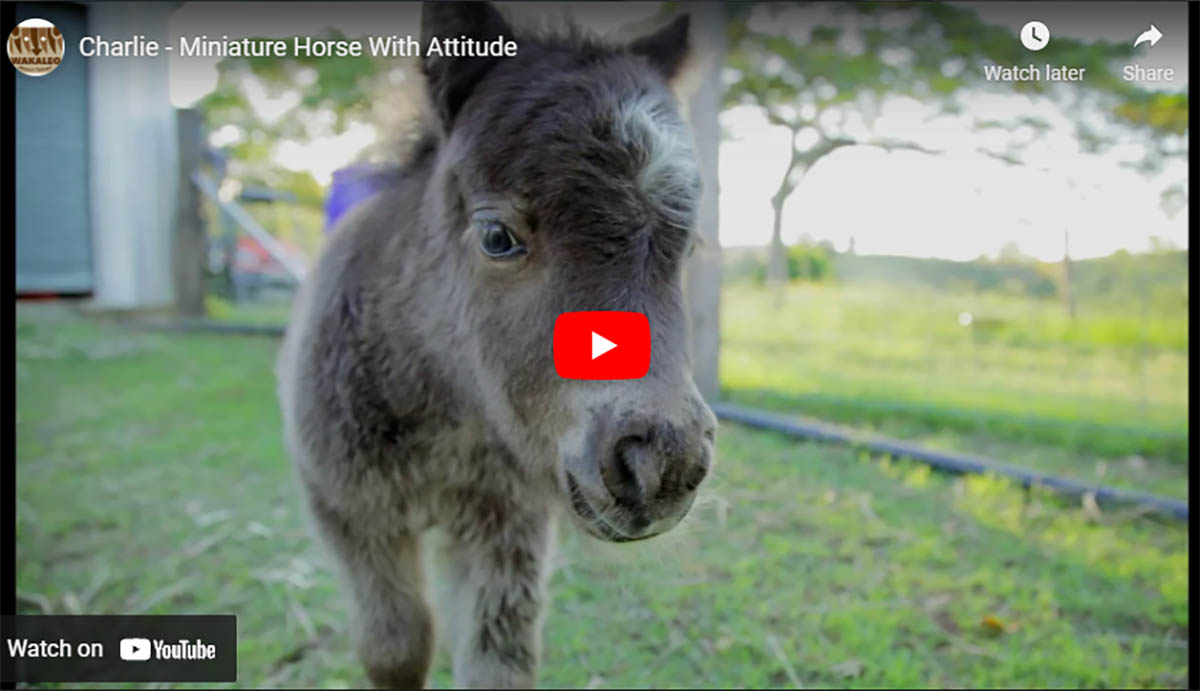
{"x":625,"y":470}
{"x":695,"y":475}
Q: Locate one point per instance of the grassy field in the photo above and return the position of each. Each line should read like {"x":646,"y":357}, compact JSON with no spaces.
{"x":1019,"y":372}
{"x":899,"y":362}
{"x":152,"y":479}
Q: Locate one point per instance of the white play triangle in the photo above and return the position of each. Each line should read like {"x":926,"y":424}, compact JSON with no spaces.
{"x":600,"y":345}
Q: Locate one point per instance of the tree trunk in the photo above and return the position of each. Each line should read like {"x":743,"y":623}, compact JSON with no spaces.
{"x":703,"y":270}
{"x":777,"y":277}
{"x":777,"y":255}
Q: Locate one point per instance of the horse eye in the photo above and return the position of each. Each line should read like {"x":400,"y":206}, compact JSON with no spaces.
{"x":497,"y":241}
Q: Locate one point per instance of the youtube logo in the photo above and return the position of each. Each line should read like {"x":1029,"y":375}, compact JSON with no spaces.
{"x":602,"y":345}
{"x":135,"y":649}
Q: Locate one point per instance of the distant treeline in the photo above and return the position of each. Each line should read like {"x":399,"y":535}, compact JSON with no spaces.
{"x":1160,"y":278}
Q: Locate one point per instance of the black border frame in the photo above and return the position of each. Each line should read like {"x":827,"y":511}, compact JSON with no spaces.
{"x":8,"y":462}
{"x":8,"y":476}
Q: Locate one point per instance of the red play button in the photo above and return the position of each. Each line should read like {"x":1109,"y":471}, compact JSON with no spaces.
{"x":602,"y":345}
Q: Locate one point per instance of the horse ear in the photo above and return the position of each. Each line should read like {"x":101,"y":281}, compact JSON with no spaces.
{"x":450,"y":80}
{"x":667,"y":49}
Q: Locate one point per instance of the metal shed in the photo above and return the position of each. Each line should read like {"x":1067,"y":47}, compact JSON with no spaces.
{"x":96,"y":163}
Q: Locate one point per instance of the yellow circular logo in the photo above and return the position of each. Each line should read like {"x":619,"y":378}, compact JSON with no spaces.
{"x":36,"y":47}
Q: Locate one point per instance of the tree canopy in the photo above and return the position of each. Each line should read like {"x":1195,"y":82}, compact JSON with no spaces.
{"x":823,"y":71}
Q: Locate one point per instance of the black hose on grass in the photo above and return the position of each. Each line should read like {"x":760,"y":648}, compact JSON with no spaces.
{"x":812,"y":429}
{"x":942,"y":460}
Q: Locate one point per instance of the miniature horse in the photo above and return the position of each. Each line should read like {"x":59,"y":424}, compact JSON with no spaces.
{"x":416,"y":379}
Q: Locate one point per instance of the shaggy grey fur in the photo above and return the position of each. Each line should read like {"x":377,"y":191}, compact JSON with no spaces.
{"x":416,"y":379}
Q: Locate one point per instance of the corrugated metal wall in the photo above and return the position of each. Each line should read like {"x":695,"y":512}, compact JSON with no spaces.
{"x":54,"y":240}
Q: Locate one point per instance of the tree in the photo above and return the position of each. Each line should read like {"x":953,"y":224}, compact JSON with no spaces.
{"x":315,"y":98}
{"x":1010,"y":253}
{"x":312,"y":99}
{"x":809,"y":262}
{"x":827,"y":87}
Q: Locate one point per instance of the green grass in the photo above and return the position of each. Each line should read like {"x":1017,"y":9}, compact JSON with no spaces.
{"x":866,"y":353}
{"x":274,"y":312}
{"x":152,"y":479}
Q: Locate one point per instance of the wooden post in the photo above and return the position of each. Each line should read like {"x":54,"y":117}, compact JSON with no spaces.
{"x":189,"y":242}
{"x":703,"y":270}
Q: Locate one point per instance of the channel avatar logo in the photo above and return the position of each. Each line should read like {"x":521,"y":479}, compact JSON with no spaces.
{"x":36,"y":47}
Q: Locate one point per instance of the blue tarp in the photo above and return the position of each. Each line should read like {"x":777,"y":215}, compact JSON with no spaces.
{"x":351,"y":186}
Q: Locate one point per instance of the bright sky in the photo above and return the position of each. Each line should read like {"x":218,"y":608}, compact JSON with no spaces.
{"x":956,"y":205}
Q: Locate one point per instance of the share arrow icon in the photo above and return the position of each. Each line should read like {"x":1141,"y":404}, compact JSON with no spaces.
{"x":1152,"y":35}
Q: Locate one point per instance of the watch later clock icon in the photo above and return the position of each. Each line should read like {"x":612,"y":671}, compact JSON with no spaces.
{"x":1035,"y":35}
